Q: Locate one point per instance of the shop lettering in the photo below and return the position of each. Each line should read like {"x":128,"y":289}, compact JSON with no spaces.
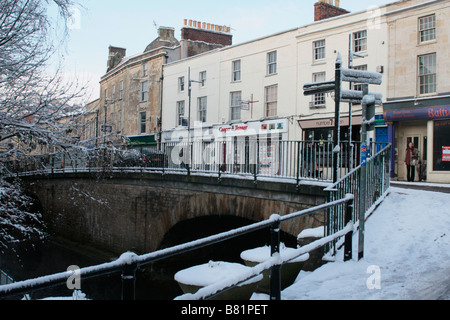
{"x":224,"y":130}
{"x":439,"y":113}
{"x":237,"y":128}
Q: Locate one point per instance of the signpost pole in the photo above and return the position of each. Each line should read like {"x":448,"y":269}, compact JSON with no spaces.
{"x":363,"y":177}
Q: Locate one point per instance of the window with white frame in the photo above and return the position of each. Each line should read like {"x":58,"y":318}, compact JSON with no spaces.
{"x":427,"y":73}
{"x":360,"y":41}
{"x":119,"y":121}
{"x":202,"y":104}
{"x":121,"y":90}
{"x":427,"y":28}
{"x":358,"y":86}
{"x":144,"y":91}
{"x":236,"y":76}
{"x":235,"y":105}
{"x":142,"y":122}
{"x":272,"y":63}
{"x":318,"y":100}
{"x":319,"y":49}
{"x":271,"y":100}
{"x":202,"y":78}
{"x":113,"y":93}
{"x":180,"y":113}
{"x":144,"y":70}
{"x":181,"y":84}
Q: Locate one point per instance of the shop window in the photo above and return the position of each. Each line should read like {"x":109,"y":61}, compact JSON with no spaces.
{"x":441,"y":146}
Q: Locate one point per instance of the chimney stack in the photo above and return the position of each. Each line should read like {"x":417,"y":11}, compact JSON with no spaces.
{"x":206,"y":32}
{"x":115,"y":55}
{"x":325,"y":9}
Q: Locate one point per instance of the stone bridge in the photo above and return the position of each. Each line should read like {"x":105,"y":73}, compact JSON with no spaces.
{"x":134,"y":211}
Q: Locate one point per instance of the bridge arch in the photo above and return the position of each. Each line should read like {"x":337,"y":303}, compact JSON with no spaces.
{"x":125,"y":213}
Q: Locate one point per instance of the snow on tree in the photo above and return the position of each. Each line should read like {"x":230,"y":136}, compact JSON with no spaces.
{"x":35,"y":106}
{"x":19,"y":219}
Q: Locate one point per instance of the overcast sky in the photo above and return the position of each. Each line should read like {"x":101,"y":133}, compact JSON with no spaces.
{"x":133,"y":25}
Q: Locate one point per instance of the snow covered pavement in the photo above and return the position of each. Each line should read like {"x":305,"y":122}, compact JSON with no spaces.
{"x":406,"y":256}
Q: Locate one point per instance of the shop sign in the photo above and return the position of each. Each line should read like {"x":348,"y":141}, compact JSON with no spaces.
{"x":379,"y":120}
{"x":445,"y":154}
{"x":254,"y":128}
{"x":363,"y":154}
{"x":430,"y":113}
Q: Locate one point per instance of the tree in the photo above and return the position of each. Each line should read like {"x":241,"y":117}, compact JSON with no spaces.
{"x":20,"y":219}
{"x":35,"y":107}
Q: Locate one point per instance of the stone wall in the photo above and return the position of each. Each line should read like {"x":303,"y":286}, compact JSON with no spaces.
{"x":134,"y":215}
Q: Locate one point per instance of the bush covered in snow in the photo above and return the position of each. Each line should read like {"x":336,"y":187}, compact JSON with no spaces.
{"x":19,"y":218}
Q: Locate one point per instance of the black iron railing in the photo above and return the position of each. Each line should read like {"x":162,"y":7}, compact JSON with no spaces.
{"x":129,"y":263}
{"x":244,"y":158}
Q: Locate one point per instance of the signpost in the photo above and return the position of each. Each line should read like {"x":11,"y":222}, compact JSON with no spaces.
{"x":368,"y":101}
{"x":340,"y":95}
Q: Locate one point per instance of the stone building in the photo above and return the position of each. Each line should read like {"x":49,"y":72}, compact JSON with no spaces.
{"x":129,"y":106}
{"x":418,"y":94}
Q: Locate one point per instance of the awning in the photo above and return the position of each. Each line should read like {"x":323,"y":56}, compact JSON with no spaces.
{"x":142,"y":140}
{"x":328,"y":122}
{"x":431,"y":108}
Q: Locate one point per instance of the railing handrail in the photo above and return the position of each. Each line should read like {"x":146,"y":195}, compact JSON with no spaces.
{"x":295,"y":159}
{"x":129,"y":262}
{"x":332,"y":186}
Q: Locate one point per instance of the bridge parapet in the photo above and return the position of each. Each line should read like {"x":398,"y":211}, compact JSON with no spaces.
{"x":125,"y":210}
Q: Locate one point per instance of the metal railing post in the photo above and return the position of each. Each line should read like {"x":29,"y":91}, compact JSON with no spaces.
{"x":348,"y":253}
{"x":299,"y":148}
{"x":129,"y":281}
{"x":275,"y":271}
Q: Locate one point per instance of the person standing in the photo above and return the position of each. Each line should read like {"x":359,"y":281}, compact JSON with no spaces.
{"x":411,"y":160}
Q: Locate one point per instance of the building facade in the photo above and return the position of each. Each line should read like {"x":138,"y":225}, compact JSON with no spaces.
{"x":203,"y":89}
{"x":130,"y":103}
{"x":361,"y":40}
{"x":418,"y":98}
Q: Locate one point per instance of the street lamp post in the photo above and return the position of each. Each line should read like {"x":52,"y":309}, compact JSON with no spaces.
{"x":189,"y":116}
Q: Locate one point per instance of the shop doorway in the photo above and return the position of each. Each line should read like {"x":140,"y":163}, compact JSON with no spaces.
{"x":415,"y":132}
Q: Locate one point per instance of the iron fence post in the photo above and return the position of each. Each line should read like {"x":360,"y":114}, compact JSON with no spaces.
{"x":298,"y":163}
{"x":348,"y":253}
{"x":129,"y":281}
{"x":275,"y":271}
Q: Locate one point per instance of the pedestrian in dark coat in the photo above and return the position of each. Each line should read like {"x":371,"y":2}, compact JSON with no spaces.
{"x":411,"y":160}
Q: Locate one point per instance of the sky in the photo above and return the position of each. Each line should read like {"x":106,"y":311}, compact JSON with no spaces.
{"x":133,"y":24}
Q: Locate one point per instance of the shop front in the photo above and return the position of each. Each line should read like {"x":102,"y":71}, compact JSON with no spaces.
{"x":254,"y":145}
{"x":235,"y":148}
{"x":426,"y":123}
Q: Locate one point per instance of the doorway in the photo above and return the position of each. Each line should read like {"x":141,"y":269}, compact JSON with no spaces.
{"x":415,"y":132}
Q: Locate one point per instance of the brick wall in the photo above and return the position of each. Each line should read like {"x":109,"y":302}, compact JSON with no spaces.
{"x":323,"y":10}
{"x":207,"y":36}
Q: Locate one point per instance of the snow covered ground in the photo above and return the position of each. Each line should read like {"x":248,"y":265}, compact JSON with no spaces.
{"x":406,"y":256}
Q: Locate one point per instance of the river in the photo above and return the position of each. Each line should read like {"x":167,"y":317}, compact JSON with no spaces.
{"x":56,"y":255}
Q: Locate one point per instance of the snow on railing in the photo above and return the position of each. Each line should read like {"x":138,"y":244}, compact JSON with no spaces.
{"x":129,"y":262}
